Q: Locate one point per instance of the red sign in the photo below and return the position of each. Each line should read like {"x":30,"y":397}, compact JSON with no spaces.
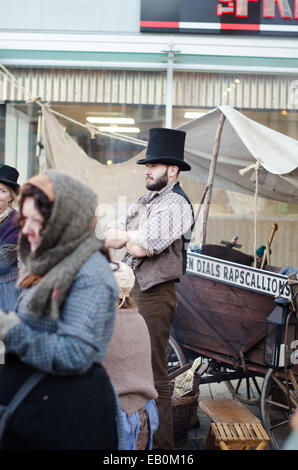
{"x":263,"y":17}
{"x":240,"y":8}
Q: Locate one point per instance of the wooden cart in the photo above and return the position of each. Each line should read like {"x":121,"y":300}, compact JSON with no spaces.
{"x":223,"y":304}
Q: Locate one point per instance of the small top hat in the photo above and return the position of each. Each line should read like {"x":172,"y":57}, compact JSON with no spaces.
{"x":166,"y":146}
{"x":9,"y":176}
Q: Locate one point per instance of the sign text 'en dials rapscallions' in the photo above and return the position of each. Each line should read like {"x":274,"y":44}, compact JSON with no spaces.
{"x":246,"y":277}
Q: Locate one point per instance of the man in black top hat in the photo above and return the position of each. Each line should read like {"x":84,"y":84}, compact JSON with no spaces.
{"x":155,"y":232}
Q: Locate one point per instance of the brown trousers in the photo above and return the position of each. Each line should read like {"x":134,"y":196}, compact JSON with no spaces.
{"x":157,"y":305}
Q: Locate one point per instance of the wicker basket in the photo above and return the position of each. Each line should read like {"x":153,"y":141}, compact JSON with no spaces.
{"x":184,"y":411}
{"x":171,"y":386}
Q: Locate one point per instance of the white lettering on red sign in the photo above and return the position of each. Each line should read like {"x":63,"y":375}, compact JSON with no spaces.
{"x":240,"y":8}
{"x":283,"y":6}
{"x":226,"y":6}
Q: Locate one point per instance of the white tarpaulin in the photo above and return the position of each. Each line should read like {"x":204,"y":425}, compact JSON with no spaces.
{"x":120,"y":184}
{"x":243,"y":142}
{"x":109,"y":182}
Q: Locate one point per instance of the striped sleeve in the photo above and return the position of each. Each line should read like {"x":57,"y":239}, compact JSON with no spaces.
{"x":167,"y":221}
{"x":83,"y":332}
{"x":8,"y":255}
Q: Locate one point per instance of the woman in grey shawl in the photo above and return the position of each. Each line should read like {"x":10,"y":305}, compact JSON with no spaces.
{"x":61,"y":327}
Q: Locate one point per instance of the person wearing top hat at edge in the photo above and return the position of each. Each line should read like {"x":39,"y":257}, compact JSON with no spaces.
{"x":155,"y":232}
{"x":8,"y":236}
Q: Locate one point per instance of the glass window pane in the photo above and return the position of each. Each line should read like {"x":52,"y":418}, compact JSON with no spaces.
{"x":2,"y":132}
{"x":127,"y":120}
{"x":270,"y":344}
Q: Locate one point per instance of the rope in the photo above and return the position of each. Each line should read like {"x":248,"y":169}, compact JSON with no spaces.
{"x":93,"y":130}
{"x":254,"y":166}
{"x":13,"y":79}
{"x":256,"y":212}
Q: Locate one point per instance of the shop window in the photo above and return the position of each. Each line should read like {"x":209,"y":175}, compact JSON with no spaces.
{"x":2,"y":132}
{"x":283,"y":121}
{"x":19,"y":128}
{"x":131,"y":120}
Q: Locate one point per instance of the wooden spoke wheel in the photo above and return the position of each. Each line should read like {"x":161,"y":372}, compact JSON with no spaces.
{"x":246,"y":389}
{"x":176,"y":358}
{"x":278,"y":402}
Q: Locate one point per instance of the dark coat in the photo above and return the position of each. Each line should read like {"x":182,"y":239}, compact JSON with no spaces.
{"x":61,"y":412}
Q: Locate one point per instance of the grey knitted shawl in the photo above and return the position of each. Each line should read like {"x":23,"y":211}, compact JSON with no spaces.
{"x":66,"y":243}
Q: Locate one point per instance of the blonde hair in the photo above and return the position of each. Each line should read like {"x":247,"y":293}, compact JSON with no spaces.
{"x":14,"y":202}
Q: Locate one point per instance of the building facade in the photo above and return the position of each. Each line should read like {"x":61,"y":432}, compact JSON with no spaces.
{"x":90,"y":59}
{"x":102,"y":62}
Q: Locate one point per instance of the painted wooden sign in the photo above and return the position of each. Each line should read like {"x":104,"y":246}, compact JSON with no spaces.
{"x":246,"y":277}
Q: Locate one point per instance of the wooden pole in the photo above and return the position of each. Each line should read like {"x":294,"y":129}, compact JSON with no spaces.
{"x":212,"y":173}
{"x":266,"y":255}
{"x":201,"y":203}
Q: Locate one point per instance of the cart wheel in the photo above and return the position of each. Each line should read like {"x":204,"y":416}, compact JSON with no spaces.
{"x":176,"y":357}
{"x":276,"y":412}
{"x":247,"y":389}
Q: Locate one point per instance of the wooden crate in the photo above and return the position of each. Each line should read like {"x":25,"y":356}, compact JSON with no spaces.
{"x":233,"y":426}
{"x":239,"y":435}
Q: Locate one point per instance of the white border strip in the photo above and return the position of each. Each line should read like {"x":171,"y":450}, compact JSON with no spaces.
{"x":273,"y":28}
{"x":195,"y":25}
{"x":217,"y":26}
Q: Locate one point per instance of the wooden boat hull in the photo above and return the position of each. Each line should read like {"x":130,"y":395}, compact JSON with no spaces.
{"x":219,"y":318}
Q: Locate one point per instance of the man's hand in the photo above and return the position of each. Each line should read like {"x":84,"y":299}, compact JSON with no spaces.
{"x":117,"y":238}
{"x":135,"y":250}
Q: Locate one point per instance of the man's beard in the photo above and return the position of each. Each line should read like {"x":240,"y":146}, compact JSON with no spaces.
{"x":159,"y":183}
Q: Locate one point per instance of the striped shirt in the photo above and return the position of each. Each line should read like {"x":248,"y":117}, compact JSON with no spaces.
{"x":161,"y":218}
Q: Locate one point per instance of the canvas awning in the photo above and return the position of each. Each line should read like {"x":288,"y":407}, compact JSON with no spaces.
{"x":243,"y":142}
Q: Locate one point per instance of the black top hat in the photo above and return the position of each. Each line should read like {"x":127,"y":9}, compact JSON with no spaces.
{"x":9,"y":176}
{"x":166,"y":146}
